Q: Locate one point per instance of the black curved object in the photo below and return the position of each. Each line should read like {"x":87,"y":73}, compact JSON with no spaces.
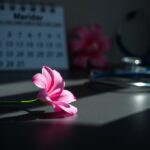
{"x":119,"y":39}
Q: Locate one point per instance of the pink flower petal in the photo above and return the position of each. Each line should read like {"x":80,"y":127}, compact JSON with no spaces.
{"x":53,"y":92}
{"x":99,"y":61}
{"x":42,"y":95}
{"x":76,"y":45}
{"x":61,"y":106}
{"x":49,"y":76}
{"x":39,"y":80}
{"x":81,"y":61}
{"x":58,"y":85}
{"x":104,"y":44}
{"x":66,"y":97}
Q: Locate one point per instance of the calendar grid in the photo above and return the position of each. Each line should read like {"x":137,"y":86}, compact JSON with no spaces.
{"x":29,"y":44}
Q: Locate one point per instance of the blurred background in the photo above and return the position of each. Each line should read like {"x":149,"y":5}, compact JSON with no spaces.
{"x":109,"y":15}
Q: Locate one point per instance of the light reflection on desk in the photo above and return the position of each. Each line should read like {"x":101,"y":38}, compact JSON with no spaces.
{"x":140,"y":101}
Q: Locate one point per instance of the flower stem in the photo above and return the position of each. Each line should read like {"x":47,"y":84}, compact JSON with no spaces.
{"x":32,"y":101}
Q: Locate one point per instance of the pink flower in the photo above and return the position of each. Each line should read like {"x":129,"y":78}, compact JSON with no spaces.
{"x":88,"y":46}
{"x":52,"y":90}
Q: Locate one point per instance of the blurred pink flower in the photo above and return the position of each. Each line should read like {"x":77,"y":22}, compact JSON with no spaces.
{"x":52,"y":90}
{"x":87,"y":45}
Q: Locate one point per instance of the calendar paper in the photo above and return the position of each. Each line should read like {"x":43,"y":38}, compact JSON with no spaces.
{"x":30,"y":39}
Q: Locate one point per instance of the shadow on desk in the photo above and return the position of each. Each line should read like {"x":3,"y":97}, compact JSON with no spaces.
{"x":128,"y":133}
{"x":17,"y":76}
{"x":21,"y":132}
{"x":80,"y":91}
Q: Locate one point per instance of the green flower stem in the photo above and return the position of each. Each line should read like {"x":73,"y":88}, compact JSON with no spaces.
{"x":32,"y":101}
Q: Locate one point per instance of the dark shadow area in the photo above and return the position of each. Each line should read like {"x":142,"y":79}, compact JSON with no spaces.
{"x":23,"y":96}
{"x":18,"y":76}
{"x":80,"y":91}
{"x":16,"y":107}
{"x":8,"y":108}
{"x":132,"y":132}
{"x":92,"y":88}
{"x":33,"y":115}
{"x":15,"y":76}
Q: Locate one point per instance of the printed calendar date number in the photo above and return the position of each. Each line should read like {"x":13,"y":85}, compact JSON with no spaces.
{"x":9,"y":64}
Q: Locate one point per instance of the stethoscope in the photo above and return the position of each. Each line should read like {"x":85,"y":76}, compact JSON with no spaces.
{"x":139,"y":64}
{"x":145,"y":56}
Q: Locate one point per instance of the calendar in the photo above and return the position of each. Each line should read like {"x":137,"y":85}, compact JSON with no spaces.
{"x":31,"y":37}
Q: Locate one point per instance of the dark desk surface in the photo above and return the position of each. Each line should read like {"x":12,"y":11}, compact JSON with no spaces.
{"x":109,"y":117}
